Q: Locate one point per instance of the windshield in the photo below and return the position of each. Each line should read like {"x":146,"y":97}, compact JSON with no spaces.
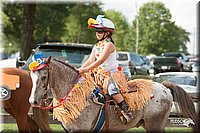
{"x":74,"y":56}
{"x":122,"y":57}
{"x":178,"y":79}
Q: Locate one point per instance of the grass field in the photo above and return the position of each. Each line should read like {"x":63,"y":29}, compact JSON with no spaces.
{"x":12,"y":128}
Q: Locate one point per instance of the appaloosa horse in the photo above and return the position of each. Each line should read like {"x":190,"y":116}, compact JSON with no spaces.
{"x":60,"y":77}
{"x":18,"y":104}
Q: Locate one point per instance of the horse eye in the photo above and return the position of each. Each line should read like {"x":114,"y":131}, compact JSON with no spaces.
{"x":44,"y":77}
{"x":45,"y":95}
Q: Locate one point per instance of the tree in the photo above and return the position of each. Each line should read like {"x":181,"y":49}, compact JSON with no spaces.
{"x":39,"y":23}
{"x":76,"y":30}
{"x":27,"y":30}
{"x":50,"y":22}
{"x":157,"y":33}
{"x":121,"y":28}
{"x":11,"y":29}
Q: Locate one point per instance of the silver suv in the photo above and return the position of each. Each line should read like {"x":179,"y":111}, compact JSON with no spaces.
{"x":134,"y":62}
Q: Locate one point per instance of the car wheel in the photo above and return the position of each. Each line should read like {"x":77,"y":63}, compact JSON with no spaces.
{"x":155,"y":72}
{"x":181,"y":69}
{"x":148,"y":74}
{"x":134,"y":72}
{"x":4,"y":93}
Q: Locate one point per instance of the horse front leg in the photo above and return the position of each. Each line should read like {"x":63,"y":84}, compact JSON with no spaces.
{"x":32,"y":125}
{"x":21,"y":120}
{"x":22,"y":123}
{"x":41,"y":118}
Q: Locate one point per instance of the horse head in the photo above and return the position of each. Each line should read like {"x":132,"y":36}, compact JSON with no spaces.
{"x":188,"y":121}
{"x":54,"y":75}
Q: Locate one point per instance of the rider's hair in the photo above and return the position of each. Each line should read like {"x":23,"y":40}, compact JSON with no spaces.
{"x":110,"y":36}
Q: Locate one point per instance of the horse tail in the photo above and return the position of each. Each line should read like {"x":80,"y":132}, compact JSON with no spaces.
{"x":185,"y":103}
{"x":41,"y":118}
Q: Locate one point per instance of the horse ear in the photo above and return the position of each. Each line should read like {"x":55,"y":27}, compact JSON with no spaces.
{"x":47,"y":60}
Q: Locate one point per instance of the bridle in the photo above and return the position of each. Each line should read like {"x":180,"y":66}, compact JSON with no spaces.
{"x":45,"y":97}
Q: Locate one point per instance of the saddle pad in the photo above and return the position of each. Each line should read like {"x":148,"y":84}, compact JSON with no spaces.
{"x":12,"y":81}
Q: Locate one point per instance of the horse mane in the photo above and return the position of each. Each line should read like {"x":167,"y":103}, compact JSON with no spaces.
{"x":59,"y":69}
{"x":65,"y":63}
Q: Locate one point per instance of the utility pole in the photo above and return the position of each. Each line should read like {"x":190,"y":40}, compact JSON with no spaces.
{"x":137,"y":29}
{"x":137,"y":35}
{"x":194,"y":43}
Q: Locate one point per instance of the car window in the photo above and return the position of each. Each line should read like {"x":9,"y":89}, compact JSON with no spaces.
{"x":74,"y":56}
{"x":122,"y":57}
{"x":136,"y":59}
{"x":178,"y":79}
{"x":197,"y":64}
{"x":180,"y":56}
{"x":3,"y":56}
{"x":133,"y":58}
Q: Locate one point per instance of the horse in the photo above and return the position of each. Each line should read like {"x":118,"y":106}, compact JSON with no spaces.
{"x":59,"y":77}
{"x":18,"y":105}
{"x":187,"y":122}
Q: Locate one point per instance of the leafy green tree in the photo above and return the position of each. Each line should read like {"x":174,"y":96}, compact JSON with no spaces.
{"x":76,"y":30}
{"x":50,"y":22}
{"x":30,"y":24}
{"x":121,"y":28}
{"x":11,"y":28}
{"x":129,"y":40}
{"x":157,"y":33}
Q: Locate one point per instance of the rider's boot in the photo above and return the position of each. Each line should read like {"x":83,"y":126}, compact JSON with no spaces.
{"x":125,"y":112}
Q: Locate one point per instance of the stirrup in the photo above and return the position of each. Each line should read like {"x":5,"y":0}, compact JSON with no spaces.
{"x":127,"y":117}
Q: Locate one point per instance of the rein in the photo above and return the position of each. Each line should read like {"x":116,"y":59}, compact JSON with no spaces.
{"x":50,"y":106}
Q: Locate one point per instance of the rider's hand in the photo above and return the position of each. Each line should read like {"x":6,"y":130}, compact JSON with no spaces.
{"x":83,"y":70}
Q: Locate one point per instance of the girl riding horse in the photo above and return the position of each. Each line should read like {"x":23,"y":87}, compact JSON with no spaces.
{"x":103,"y":56}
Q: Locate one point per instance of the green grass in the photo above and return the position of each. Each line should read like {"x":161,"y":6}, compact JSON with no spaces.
{"x":8,"y":128}
{"x":168,"y":130}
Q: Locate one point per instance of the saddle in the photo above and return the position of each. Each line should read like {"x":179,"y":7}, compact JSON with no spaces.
{"x":11,"y":81}
{"x":106,"y":100}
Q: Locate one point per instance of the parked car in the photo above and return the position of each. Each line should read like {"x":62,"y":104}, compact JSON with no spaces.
{"x":12,"y":62}
{"x":196,"y":66}
{"x":3,"y":56}
{"x":148,"y":63}
{"x":75,"y":54}
{"x":8,"y":63}
{"x":171,"y":61}
{"x":135,"y":64}
{"x":189,"y":81}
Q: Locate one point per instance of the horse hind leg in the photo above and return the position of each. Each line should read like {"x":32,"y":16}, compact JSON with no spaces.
{"x":155,"y":126}
{"x":155,"y":121}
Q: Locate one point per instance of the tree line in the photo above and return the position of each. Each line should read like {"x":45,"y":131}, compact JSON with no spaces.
{"x":25,"y":25}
